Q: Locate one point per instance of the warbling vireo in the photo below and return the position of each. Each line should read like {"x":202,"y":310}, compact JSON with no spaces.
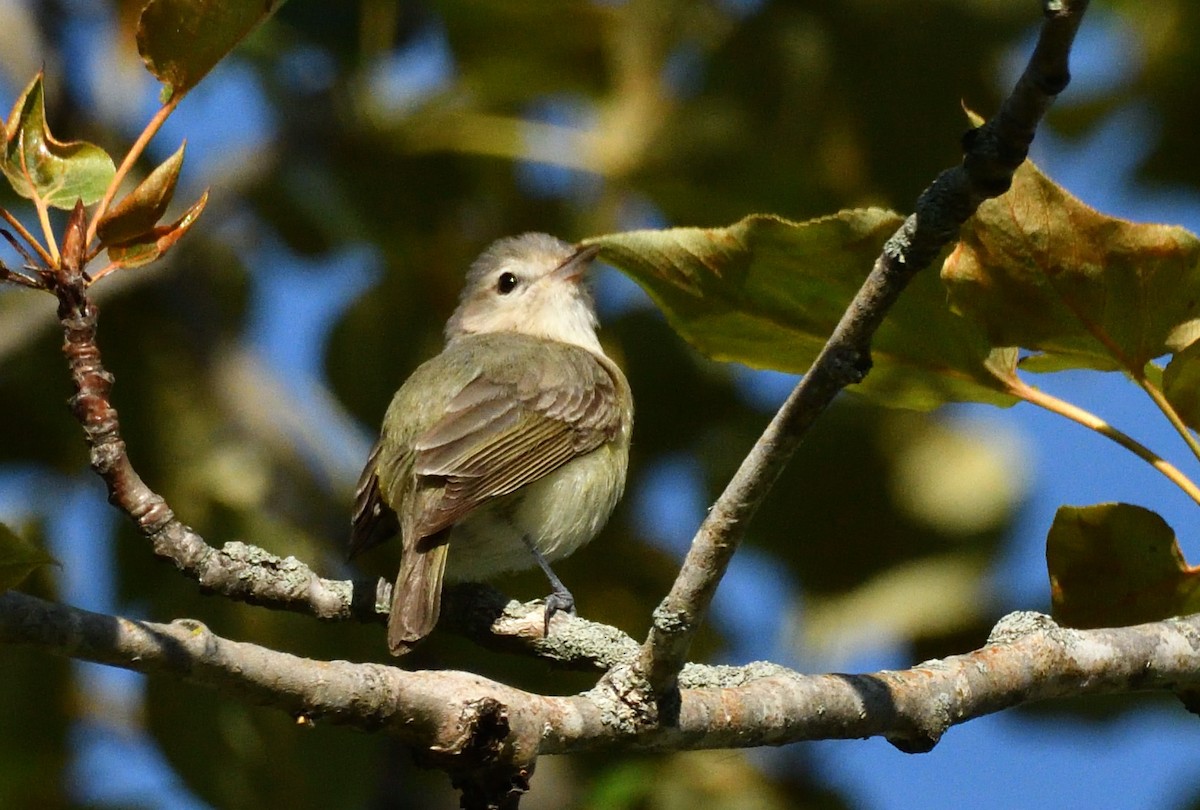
{"x":507,"y":449}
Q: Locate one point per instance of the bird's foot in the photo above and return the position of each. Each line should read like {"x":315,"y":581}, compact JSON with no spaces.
{"x":560,"y":600}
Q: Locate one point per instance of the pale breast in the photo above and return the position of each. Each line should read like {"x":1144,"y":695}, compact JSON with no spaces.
{"x":559,"y":513}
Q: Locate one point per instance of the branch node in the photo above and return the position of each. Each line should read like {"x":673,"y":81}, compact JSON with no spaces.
{"x":478,"y":759}
{"x":848,"y":365}
{"x":669,"y":621}
{"x":914,"y":743}
{"x":626,"y":700}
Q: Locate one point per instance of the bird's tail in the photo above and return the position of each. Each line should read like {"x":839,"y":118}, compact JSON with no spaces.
{"x":417,"y":596}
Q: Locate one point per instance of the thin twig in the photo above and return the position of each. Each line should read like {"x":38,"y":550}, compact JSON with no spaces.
{"x":992,"y":153}
{"x":1159,"y":398}
{"x":33,"y":282}
{"x":28,"y":237}
{"x":1049,"y":402}
{"x":135,"y":151}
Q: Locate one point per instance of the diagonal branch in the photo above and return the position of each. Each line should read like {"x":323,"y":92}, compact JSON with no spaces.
{"x":991,"y":155}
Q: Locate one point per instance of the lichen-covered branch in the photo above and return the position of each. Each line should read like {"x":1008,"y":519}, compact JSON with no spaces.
{"x":237,"y":570}
{"x":465,"y":719}
{"x":991,"y":154}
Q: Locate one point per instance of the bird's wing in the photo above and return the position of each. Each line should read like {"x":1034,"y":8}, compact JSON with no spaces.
{"x":373,"y":521}
{"x":509,"y":426}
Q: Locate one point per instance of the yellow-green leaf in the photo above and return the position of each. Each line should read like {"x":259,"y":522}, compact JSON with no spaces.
{"x":1038,"y":269}
{"x":768,"y":292}
{"x":151,"y":246}
{"x":18,"y":558}
{"x":1116,"y":564}
{"x":182,"y":40}
{"x":40,"y":167}
{"x":139,"y":211}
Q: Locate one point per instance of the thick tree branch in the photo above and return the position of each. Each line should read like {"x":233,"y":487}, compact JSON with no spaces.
{"x":467,"y":720}
{"x":991,"y":154}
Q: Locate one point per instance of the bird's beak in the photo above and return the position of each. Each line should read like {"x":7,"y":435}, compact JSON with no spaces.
{"x":575,"y":266}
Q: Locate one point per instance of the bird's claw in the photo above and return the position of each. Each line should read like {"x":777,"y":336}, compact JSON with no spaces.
{"x":558,"y":601}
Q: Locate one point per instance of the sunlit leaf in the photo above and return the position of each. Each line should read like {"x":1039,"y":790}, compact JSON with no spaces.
{"x":18,"y":558}
{"x":181,"y":40}
{"x":151,"y":246}
{"x":1117,"y":564}
{"x":40,"y":167}
{"x":768,"y":292}
{"x":142,"y":208}
{"x":1039,"y":269}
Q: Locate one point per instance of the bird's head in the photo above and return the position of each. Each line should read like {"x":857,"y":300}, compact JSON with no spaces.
{"x":531,"y":284}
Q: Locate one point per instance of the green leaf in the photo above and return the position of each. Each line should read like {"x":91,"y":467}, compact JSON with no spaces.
{"x":182,"y":40}
{"x":142,"y":208}
{"x":1181,"y":385}
{"x":768,"y":292}
{"x":18,"y":558}
{"x":1117,"y":564}
{"x":1038,"y":269}
{"x":151,"y":246}
{"x":39,"y":167}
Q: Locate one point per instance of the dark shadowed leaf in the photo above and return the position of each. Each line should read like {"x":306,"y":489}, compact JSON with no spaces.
{"x":1117,"y":564}
{"x":181,"y":40}
{"x":151,"y":246}
{"x":1039,"y":269}
{"x":18,"y":558}
{"x":768,"y":292}
{"x":38,"y":166}
{"x":140,"y":210}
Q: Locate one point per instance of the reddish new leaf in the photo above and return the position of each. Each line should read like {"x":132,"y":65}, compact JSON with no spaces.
{"x":151,"y":246}
{"x":138,"y":213}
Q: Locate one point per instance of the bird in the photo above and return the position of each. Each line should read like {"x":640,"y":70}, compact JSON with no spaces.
{"x":506,"y":450}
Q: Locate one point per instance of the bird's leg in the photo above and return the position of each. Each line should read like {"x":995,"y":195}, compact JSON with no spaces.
{"x":560,"y":598}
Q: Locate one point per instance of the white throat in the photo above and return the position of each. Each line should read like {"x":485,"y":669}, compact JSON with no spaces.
{"x":556,"y":312}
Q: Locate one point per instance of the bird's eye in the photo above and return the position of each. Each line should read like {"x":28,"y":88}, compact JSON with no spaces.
{"x":506,"y":283}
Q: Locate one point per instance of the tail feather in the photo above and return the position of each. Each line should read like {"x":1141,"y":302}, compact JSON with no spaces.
{"x":416,"y":597}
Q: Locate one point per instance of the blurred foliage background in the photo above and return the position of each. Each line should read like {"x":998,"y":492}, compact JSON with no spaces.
{"x":360,"y":154}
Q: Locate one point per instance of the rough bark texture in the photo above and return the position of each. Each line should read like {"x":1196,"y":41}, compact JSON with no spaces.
{"x":466,"y":722}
